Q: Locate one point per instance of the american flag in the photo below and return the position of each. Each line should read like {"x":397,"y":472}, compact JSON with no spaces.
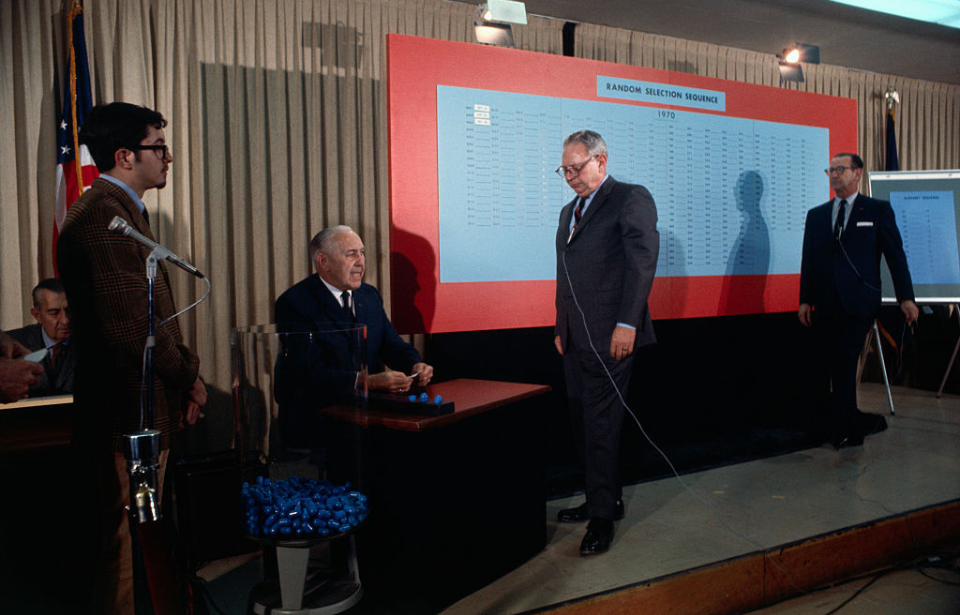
{"x":892,"y":159}
{"x":74,"y":173}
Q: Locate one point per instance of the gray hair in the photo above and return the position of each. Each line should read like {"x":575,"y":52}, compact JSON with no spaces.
{"x":322,"y":240}
{"x":52,"y":284}
{"x":591,"y":140}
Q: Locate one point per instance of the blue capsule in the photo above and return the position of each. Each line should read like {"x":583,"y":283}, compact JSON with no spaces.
{"x":424,"y":398}
{"x":412,"y":398}
{"x":301,"y":506}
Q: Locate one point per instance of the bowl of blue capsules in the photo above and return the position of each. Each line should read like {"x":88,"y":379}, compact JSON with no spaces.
{"x":301,"y":508}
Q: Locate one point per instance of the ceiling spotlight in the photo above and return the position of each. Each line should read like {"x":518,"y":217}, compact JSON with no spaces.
{"x":503,"y":11}
{"x":490,"y":33}
{"x":790,"y":72}
{"x":801,"y":52}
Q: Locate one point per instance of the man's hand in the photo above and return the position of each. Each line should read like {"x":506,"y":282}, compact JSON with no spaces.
{"x":390,"y":381}
{"x":16,"y":378}
{"x":196,"y":400}
{"x":621,"y":343}
{"x":910,"y":311}
{"x":11,"y":348}
{"x":424,"y":373}
{"x":558,"y":344}
{"x":804,"y":314}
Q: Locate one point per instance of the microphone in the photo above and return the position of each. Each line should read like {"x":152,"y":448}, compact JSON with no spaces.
{"x":119,"y":225}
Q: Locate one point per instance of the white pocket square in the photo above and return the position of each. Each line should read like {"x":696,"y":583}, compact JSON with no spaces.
{"x":867,"y":223}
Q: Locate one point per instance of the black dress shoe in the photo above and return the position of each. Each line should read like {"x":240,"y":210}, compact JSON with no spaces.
{"x":578,"y":514}
{"x":598,"y":538}
{"x":847,"y":441}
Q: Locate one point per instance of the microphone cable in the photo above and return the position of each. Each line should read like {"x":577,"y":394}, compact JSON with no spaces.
{"x":854,"y":267}
{"x":764,"y":549}
{"x":148,"y":345}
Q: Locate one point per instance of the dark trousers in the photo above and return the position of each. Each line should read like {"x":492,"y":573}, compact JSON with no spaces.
{"x":840,"y":340}
{"x":596,"y":414}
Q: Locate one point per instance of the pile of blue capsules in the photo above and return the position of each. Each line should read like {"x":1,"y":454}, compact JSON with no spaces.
{"x":301,"y":507}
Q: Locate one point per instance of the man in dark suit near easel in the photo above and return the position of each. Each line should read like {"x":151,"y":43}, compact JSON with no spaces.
{"x":607,"y":247}
{"x":840,"y":285}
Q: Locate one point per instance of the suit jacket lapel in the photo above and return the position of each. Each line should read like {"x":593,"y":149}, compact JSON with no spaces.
{"x":137,"y":220}
{"x":599,"y":199}
{"x":857,"y":210}
{"x":332,"y":308}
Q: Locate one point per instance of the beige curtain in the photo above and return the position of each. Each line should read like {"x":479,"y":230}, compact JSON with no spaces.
{"x":278,"y":126}
{"x":928,"y":118}
{"x":277,"y":122}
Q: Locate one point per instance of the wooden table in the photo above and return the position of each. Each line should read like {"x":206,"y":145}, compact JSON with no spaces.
{"x":36,"y":423}
{"x":456,"y":500}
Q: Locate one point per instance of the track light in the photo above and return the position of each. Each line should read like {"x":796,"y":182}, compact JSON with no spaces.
{"x":497,"y":15}
{"x":801,"y":52}
{"x":503,"y":11}
{"x":791,"y":57}
{"x":490,"y":33}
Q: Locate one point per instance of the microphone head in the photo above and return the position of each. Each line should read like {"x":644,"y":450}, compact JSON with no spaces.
{"x":117,"y":224}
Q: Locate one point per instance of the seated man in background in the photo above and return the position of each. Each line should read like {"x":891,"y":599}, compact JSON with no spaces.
{"x":316,"y":370}
{"x":16,"y":375}
{"x":52,"y":331}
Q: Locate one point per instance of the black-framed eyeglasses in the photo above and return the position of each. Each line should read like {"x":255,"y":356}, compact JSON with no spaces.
{"x":837,"y":170}
{"x":162,"y":150}
{"x":574,"y":170}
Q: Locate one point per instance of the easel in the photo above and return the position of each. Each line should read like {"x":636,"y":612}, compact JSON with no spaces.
{"x":953,"y":357}
{"x":875,"y":334}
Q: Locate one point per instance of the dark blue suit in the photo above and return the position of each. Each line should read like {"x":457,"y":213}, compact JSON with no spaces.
{"x":607,"y":270}
{"x":317,"y":370}
{"x":841,"y":281}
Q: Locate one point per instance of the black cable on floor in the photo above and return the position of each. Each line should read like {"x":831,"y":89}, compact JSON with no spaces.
{"x":860,"y":591}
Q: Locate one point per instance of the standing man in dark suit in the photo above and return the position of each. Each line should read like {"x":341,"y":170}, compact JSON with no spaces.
{"x":840,"y":285}
{"x":315,"y":370}
{"x":106,"y":281}
{"x":607,"y":247}
{"x":51,"y":331}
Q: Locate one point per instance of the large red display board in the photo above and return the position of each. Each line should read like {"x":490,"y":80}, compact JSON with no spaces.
{"x":421,"y":303}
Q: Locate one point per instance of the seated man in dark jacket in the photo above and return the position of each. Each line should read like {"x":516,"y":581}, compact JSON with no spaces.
{"x":52,"y":331}
{"x":324,"y":356}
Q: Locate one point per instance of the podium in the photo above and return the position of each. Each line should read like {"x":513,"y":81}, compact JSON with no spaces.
{"x":456,"y":500}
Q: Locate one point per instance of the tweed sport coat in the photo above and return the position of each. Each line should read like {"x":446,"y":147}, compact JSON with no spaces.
{"x":105,"y":277}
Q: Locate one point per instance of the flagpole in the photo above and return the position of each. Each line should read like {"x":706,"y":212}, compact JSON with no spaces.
{"x":78,"y":164}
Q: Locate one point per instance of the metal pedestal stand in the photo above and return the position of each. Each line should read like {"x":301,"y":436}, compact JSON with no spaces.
{"x":305,"y":592}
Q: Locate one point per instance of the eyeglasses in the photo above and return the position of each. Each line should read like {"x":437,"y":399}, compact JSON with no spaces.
{"x":837,"y":170}
{"x":574,"y":170}
{"x":162,"y":150}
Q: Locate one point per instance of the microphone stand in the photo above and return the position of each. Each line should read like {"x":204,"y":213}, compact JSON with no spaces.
{"x":142,"y":450}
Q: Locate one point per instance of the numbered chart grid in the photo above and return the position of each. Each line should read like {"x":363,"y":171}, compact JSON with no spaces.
{"x":731,"y":193}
